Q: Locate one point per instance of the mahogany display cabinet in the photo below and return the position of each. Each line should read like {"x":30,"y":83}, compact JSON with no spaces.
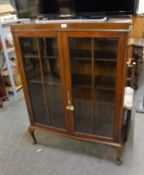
{"x":73,"y":76}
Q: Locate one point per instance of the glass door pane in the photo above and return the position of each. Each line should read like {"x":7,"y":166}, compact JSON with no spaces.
{"x":81,"y":74}
{"x":42,"y":68}
{"x":93,"y":72}
{"x":52,"y":81}
{"x":105,"y":64}
{"x":31,"y":63}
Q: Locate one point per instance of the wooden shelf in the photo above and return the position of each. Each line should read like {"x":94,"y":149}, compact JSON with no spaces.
{"x":97,"y":53}
{"x":101,"y":83}
{"x":31,"y":56}
{"x":50,"y":57}
{"x":82,"y":86}
{"x":97,"y":87}
{"x":35,"y":81}
{"x":95,"y":59}
{"x":36,"y":57}
{"x":103,"y":98}
{"x":106,"y":74}
{"x":106,"y":59}
{"x":45,"y":82}
{"x":106,"y":87}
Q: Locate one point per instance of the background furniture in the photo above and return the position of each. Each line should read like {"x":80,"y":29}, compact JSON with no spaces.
{"x":3,"y":95}
{"x":128,"y":106}
{"x":8,"y":51}
{"x":73,"y":77}
{"x":131,"y":80}
{"x":136,"y":58}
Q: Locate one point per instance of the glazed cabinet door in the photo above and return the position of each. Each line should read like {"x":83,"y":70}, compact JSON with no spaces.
{"x":95,"y":82}
{"x":43,"y":67}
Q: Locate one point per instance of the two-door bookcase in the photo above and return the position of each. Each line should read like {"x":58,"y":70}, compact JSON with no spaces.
{"x":73,"y":76}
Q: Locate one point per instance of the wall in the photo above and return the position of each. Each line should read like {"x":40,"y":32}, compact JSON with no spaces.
{"x":138,"y":27}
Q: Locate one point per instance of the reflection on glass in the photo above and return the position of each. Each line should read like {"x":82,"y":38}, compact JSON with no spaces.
{"x":81,"y":63}
{"x":52,"y":81}
{"x":40,"y":58}
{"x":105,"y":63}
{"x":93,"y":72}
{"x":33,"y":75}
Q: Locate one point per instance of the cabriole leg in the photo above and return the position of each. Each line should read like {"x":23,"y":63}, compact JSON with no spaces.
{"x":119,"y":151}
{"x":31,"y":131}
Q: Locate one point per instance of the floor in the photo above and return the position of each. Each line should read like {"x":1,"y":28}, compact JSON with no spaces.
{"x":56,"y":155}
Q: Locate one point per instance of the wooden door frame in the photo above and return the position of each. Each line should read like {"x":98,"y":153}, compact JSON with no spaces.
{"x":121,"y":60}
{"x":57,"y":35}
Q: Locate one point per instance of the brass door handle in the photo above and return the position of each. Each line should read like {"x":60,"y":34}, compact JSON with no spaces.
{"x":70,"y":107}
{"x":68,"y":95}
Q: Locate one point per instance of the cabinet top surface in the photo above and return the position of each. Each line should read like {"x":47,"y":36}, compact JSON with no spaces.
{"x":73,"y":25}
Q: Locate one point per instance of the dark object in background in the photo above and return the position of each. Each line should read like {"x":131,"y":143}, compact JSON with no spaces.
{"x":55,"y":9}
{"x":3,"y":94}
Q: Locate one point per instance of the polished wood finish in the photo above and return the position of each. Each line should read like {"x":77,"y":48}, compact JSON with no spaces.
{"x":95,"y":50}
{"x":31,"y":132}
{"x":119,"y":151}
{"x":92,"y":26}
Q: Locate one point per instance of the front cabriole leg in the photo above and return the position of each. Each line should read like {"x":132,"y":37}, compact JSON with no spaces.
{"x":31,"y":132}
{"x":119,"y":151}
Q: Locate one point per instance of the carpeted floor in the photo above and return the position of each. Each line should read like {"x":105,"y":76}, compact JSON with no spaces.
{"x":56,"y":155}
